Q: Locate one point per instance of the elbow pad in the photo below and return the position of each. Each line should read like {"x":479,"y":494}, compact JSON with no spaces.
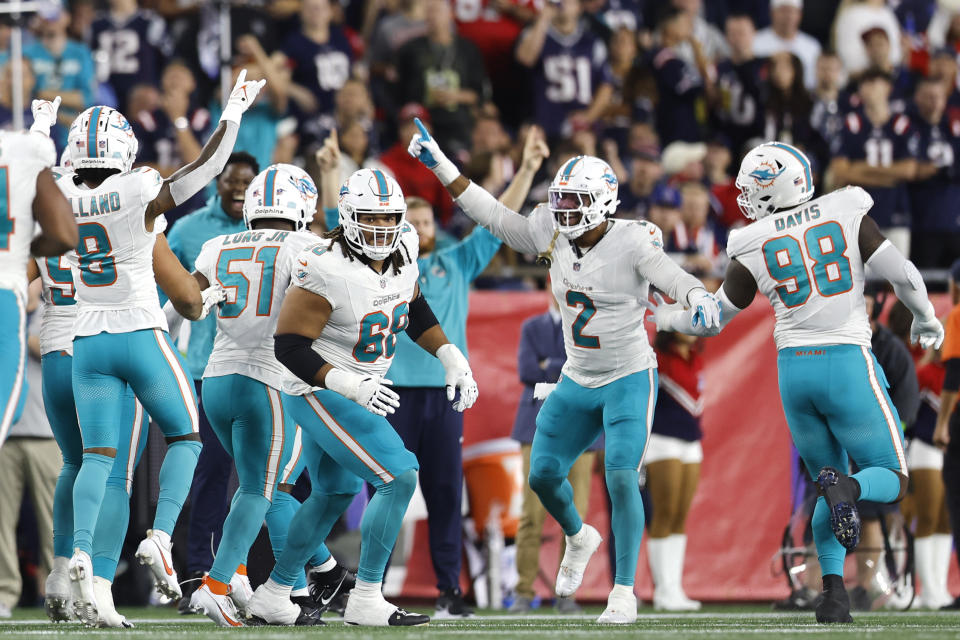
{"x":421,"y":318}
{"x":296,"y":353}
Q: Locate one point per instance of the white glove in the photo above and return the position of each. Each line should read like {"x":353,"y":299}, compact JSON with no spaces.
{"x":425,"y":149}
{"x":242,"y":96}
{"x":706,"y":308}
{"x":459,"y":377}
{"x":928,"y":332}
{"x":44,"y":115}
{"x":542,"y":389}
{"x":663,"y":315}
{"x":370,"y":392}
{"x":211,"y":296}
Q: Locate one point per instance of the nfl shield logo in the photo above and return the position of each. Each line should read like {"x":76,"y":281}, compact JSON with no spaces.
{"x":383,"y":283}
{"x":576,"y":266}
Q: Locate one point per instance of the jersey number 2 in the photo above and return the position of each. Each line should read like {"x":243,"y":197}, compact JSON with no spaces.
{"x":826,"y":246}
{"x":240,"y":285}
{"x":577,"y":299}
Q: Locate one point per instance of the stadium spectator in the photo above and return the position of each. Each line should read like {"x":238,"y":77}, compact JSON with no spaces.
{"x":723,"y":189}
{"x":540,"y":358}
{"x":637,"y":194}
{"x":443,"y":72}
{"x":665,"y":213}
{"x":935,"y":238}
{"x":877,"y":43}
{"x":129,"y":46}
{"x":854,"y":20}
{"x":391,"y":32}
{"x":694,"y":234}
{"x":62,"y":67}
{"x":712,"y":42}
{"x":784,"y":34}
{"x":6,"y":94}
{"x":571,"y":83}
{"x":830,"y":101}
{"x":789,"y":108}
{"x":672,"y":461}
{"x":683,"y":161}
{"x":681,"y":87}
{"x":633,"y":87}
{"x":223,"y":213}
{"x":320,"y":58}
{"x":415,"y":179}
{"x":737,"y":105}
{"x":29,"y":460}
{"x":877,"y":152}
{"x":946,"y":434}
{"x":943,"y":65}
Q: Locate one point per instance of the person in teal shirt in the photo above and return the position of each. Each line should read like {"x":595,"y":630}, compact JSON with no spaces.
{"x":223,"y":213}
{"x":425,"y":420}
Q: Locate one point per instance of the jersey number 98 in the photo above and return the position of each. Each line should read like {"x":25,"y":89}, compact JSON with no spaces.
{"x":826,"y":246}
{"x":378,"y":334}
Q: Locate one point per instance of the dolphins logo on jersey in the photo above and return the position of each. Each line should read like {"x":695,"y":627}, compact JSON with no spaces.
{"x":765,"y":174}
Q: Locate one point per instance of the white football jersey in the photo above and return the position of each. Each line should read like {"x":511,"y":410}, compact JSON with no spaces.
{"x":59,"y":304}
{"x":369,"y":309}
{"x":255,"y":269}
{"x":23,"y":155}
{"x":115,"y":284}
{"x":807,"y":261}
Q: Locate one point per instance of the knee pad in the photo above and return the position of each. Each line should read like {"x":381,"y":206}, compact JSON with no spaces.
{"x":544,"y":473}
{"x":621,"y":482}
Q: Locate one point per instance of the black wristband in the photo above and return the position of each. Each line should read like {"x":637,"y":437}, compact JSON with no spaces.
{"x":421,"y":318}
{"x":296,"y":353}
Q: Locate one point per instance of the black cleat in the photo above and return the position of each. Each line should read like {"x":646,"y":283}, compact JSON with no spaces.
{"x":187,"y":587}
{"x":841,"y":493}
{"x":450,"y":604}
{"x":309,"y":613}
{"x":803,"y":599}
{"x":860,"y":599}
{"x":329,"y":589}
{"x":402,"y":618}
{"x":834,"y":607}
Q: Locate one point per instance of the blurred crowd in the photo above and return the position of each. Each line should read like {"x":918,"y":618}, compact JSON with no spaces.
{"x":670,"y":92}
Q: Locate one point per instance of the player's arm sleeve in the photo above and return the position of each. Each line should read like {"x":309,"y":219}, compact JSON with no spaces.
{"x":421,"y":317}
{"x":475,"y":252}
{"x":190,"y":179}
{"x":888,"y":263}
{"x":517,"y":231}
{"x":656,"y":267}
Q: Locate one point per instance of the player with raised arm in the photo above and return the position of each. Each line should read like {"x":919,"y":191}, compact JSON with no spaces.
{"x":808,"y":258}
{"x":242,"y":379}
{"x":120,"y":336}
{"x":337,"y":331}
{"x":601,"y":270}
{"x":27,"y":194}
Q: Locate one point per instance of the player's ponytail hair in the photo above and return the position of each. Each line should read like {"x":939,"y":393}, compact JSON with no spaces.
{"x":395,"y":259}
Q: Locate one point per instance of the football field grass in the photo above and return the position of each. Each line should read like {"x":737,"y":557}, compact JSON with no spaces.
{"x":716,"y":622}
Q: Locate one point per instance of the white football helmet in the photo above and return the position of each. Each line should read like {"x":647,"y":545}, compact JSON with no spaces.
{"x":278,"y":192}
{"x":773,"y":176}
{"x":582,"y":195}
{"x":371,"y":191}
{"x":101,"y":138}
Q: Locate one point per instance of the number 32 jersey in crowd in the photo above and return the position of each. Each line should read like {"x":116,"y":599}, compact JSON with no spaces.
{"x":254,"y":268}
{"x":369,"y":309}
{"x":807,"y":261}
{"x":116,"y":288}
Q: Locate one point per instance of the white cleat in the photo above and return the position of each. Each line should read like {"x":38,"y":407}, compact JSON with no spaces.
{"x":372,"y":610}
{"x":59,"y":597}
{"x":621,"y":607}
{"x":272,"y":607}
{"x":673,"y":600}
{"x":580,"y":547}
{"x":220,"y":609}
{"x":241,"y":593}
{"x":80,"y":570}
{"x":107,"y":615}
{"x":156,"y":555}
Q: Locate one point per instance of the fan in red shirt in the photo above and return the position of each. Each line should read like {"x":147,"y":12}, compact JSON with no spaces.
{"x":414,"y":178}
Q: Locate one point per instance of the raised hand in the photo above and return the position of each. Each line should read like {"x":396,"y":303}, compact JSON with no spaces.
{"x":535,"y":150}
{"x":243,"y":95}
{"x":44,"y":115}
{"x":424,"y":148}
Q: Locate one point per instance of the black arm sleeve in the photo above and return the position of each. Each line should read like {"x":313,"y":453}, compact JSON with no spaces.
{"x":421,"y":318}
{"x":296,"y":353}
{"x":951,"y":381}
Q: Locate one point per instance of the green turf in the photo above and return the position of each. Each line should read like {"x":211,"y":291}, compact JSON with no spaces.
{"x":717,"y":622}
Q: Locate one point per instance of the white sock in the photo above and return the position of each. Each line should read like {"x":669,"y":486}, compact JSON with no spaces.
{"x":577,"y":538}
{"x":163,"y":537}
{"x":329,"y":565}
{"x":622,"y":591}
{"x":367,"y":588}
{"x":61,"y":564}
{"x":277,"y":588}
{"x":297,"y":593}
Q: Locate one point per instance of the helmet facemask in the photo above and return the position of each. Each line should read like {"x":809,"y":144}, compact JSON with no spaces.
{"x":383,"y":239}
{"x":573,"y":212}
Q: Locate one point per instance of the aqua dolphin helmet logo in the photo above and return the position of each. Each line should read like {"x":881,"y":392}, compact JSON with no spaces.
{"x":765,"y":174}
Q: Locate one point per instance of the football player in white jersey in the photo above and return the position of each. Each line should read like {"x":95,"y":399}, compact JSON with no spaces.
{"x":241,"y":384}
{"x":337,"y":332}
{"x":27,"y":195}
{"x":808,"y":258}
{"x":601,"y":270}
{"x":120,"y":335}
